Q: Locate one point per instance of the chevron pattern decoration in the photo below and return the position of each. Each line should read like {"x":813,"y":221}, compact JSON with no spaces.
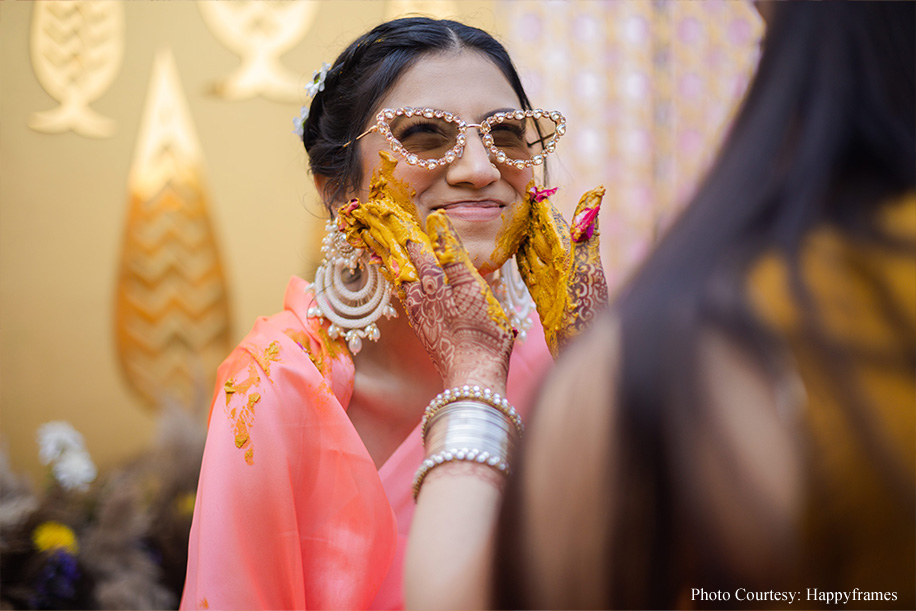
{"x":172,"y":306}
{"x":76,"y":49}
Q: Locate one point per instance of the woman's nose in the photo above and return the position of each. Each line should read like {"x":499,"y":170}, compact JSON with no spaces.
{"x":474,"y":166}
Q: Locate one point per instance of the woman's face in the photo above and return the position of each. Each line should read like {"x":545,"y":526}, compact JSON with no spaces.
{"x":479,"y":195}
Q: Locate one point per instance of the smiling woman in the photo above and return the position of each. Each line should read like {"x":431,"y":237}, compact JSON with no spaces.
{"x":424,"y":147}
{"x":477,"y":194}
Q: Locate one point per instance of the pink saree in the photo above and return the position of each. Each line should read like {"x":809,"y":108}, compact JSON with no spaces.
{"x":291,"y":512}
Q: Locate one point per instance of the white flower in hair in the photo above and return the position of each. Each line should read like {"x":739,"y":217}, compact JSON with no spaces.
{"x":299,"y":122}
{"x":56,"y":438}
{"x":318,"y":78}
{"x":312,"y":89}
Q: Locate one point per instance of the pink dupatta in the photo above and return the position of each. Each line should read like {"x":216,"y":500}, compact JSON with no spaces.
{"x":291,"y":512}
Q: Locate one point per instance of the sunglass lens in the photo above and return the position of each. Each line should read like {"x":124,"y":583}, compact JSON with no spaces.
{"x":427,"y":138}
{"x":522,"y":139}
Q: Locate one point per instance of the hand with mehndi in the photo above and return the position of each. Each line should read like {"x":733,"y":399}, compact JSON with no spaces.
{"x":561,"y":265}
{"x":448,"y":303}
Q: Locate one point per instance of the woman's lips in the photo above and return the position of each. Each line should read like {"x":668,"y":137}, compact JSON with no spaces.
{"x":473,"y":211}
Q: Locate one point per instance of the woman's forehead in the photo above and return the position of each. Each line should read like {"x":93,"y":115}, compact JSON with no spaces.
{"x":465,"y":82}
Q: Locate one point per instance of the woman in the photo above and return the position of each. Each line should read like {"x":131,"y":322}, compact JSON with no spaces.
{"x":305,"y":488}
{"x":740,"y":431}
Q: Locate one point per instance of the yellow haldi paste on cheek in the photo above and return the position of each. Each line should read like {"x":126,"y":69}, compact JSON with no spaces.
{"x":386,"y":222}
{"x":385,"y":186}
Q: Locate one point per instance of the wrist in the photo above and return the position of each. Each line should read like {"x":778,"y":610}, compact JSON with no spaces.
{"x":492,"y":383}
{"x":468,"y":425}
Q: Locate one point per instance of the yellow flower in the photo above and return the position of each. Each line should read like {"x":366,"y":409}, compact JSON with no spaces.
{"x":50,"y":536}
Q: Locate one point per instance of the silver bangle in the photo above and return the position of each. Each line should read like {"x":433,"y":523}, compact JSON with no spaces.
{"x":469,"y":423}
{"x":473,"y":393}
{"x":469,"y":431}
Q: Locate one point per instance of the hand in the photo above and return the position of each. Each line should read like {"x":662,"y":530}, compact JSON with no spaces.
{"x":448,"y":303}
{"x":455,"y":314}
{"x":385,"y":223}
{"x":562,"y":266}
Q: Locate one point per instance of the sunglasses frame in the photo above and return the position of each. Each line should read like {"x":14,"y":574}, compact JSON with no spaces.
{"x":387,"y":114}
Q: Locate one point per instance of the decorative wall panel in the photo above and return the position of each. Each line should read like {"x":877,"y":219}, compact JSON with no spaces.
{"x":172,"y":311}
{"x":76,"y":49}
{"x":648,"y":89}
{"x":260,"y":31}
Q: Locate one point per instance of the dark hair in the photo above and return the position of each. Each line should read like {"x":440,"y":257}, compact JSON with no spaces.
{"x":361,"y":76}
{"x":825,"y":136}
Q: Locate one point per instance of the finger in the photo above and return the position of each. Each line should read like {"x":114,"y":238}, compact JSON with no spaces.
{"x":466,"y":282}
{"x":529,"y":265}
{"x":584,"y":227}
{"x":588,"y":278}
{"x":446,"y":244}
{"x":386,"y":228}
{"x":365,"y":230}
{"x":421,"y":256}
{"x":427,"y":301}
{"x":548,"y":233}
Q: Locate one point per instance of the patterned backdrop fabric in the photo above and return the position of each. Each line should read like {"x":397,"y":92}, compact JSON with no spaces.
{"x":648,"y":89}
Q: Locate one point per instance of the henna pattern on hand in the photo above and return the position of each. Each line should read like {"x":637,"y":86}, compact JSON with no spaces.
{"x":448,"y":303}
{"x":450,"y":313}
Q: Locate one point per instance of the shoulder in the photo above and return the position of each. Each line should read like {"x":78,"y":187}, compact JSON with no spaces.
{"x":284,"y":365}
{"x":566,"y":455}
{"x":292,"y":342}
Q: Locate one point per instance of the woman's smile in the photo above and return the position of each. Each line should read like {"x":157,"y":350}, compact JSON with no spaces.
{"x":478,"y":194}
{"x":472,"y":210}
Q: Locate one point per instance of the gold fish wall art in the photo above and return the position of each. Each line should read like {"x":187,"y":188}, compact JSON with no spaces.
{"x":259,"y":32}
{"x":77,"y":49}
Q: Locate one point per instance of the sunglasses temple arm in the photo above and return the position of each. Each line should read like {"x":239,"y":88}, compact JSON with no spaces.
{"x":365,"y":133}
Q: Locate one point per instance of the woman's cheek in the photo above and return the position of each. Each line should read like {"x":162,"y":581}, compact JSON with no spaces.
{"x":419,"y":181}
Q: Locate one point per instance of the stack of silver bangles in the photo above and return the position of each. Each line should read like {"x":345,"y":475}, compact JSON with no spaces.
{"x":468,"y":424}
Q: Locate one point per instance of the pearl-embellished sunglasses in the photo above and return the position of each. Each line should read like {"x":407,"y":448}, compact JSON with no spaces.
{"x":432,"y":138}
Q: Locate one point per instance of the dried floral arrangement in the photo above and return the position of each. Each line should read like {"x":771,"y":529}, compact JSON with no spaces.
{"x":115,"y":540}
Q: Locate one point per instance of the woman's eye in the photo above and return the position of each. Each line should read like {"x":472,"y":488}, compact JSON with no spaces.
{"x":508,"y":135}
{"x":425,"y":136}
{"x":421,"y":127}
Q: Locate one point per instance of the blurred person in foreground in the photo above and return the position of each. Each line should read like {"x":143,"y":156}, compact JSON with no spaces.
{"x":743,"y":418}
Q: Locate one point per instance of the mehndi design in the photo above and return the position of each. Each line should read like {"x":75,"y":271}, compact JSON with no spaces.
{"x":448,"y":303}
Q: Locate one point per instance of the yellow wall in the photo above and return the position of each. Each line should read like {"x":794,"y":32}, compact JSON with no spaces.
{"x":63,"y":204}
{"x":643,"y":127}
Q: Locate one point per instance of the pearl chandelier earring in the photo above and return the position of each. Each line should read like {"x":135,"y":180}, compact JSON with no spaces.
{"x":351,"y":312}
